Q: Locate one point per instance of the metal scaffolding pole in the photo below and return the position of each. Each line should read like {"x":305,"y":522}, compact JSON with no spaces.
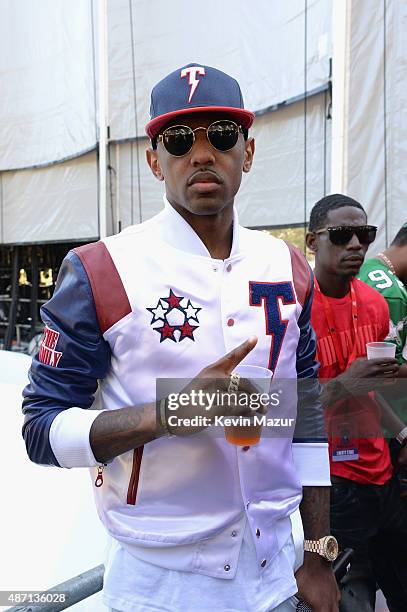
{"x":103,"y":114}
{"x":14,"y":299}
{"x":341,"y":13}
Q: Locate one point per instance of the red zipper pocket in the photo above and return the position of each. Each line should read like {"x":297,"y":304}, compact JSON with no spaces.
{"x":135,"y":474}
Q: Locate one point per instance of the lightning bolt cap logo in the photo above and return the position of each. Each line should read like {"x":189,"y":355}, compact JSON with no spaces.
{"x":193,"y":82}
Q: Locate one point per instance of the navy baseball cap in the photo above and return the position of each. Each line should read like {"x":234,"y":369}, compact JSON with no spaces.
{"x":192,"y":89}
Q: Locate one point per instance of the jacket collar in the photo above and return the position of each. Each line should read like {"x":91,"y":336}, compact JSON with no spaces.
{"x":178,"y":233}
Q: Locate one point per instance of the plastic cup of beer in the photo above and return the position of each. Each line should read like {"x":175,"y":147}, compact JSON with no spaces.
{"x":376,"y":350}
{"x":243,"y":433}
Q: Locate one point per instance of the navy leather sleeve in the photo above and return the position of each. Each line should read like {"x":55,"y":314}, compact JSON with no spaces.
{"x":59,"y":382}
{"x":310,"y":418}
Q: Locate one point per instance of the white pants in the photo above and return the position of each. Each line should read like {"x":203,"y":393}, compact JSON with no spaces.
{"x":287,"y":606}
{"x":130,"y":583}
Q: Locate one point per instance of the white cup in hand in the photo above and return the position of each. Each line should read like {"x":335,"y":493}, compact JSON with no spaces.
{"x":376,"y":350}
{"x":260,"y":378}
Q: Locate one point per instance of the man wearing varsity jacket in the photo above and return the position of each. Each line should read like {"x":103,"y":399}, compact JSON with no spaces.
{"x":196,"y":523}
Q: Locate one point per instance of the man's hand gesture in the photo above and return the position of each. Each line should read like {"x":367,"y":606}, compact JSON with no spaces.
{"x":213,"y":381}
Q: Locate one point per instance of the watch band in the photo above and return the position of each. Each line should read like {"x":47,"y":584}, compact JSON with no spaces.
{"x":402,"y":436}
{"x":313,"y":546}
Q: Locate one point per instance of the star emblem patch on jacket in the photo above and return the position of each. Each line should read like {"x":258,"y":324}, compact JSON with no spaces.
{"x":175,"y":317}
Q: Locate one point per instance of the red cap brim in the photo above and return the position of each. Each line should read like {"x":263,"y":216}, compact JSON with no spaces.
{"x":242,"y":116}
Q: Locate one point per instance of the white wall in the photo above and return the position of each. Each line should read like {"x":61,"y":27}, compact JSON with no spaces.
{"x":49,"y":529}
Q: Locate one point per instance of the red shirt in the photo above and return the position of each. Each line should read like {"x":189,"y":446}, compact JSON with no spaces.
{"x":363,"y":413}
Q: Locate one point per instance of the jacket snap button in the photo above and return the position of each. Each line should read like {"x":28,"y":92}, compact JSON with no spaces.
{"x":231,"y":322}
{"x":257,"y":533}
{"x":229,"y":267}
{"x":226,"y":567}
{"x":246,"y":448}
{"x":263,"y":563}
{"x":233,"y":534}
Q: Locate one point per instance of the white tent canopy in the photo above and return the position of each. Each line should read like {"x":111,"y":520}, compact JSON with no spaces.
{"x":50,"y":204}
{"x":49,"y":71}
{"x":270,"y":47}
{"x":49,"y":77}
{"x":371,"y":105}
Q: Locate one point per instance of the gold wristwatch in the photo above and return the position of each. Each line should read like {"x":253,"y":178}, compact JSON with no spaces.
{"x":327,"y":547}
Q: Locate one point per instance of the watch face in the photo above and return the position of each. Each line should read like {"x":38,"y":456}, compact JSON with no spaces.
{"x":331,"y":548}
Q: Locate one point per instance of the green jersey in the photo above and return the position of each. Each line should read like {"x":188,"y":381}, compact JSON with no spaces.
{"x":378,"y":275}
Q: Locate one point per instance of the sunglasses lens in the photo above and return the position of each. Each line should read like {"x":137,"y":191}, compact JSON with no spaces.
{"x":223,"y":135}
{"x":178,"y":140}
{"x":342,"y":235}
{"x":366,"y":235}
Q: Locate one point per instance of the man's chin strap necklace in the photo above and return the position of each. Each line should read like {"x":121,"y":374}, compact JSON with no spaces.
{"x":387,"y":261}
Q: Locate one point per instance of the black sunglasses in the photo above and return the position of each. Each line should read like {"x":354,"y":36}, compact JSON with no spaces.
{"x":342,"y":234}
{"x":179,"y":139}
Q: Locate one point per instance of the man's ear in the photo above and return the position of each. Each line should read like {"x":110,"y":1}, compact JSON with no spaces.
{"x":152,"y":160}
{"x":311,"y":241}
{"x":248,"y":154}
